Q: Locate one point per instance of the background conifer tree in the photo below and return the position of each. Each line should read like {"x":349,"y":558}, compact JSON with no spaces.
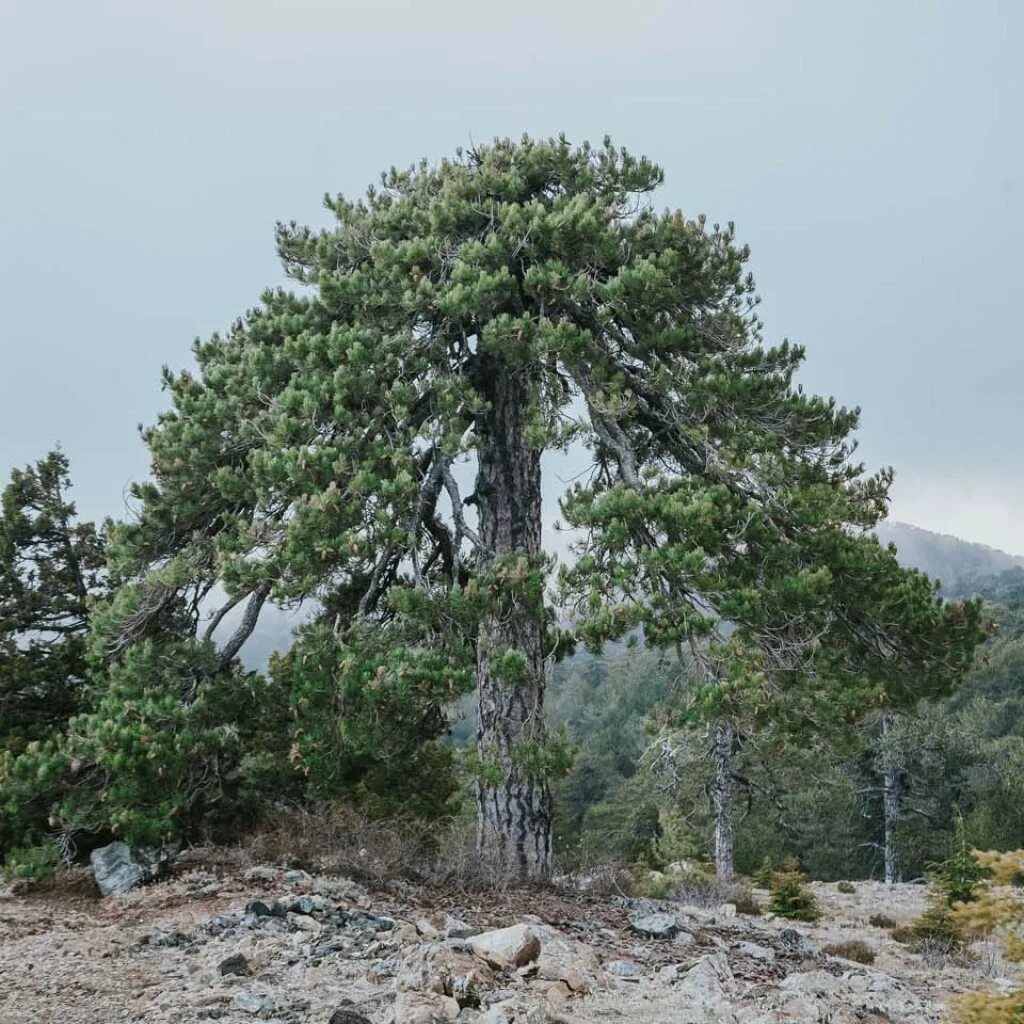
{"x":51,"y":565}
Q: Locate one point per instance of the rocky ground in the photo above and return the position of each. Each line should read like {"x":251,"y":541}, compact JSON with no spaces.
{"x":269,"y":945}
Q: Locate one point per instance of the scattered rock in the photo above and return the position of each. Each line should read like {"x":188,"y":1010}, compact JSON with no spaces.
{"x":293,"y":950}
{"x":812,"y":983}
{"x":571,"y":963}
{"x":234,"y":964}
{"x":424,"y":1008}
{"x":455,"y":928}
{"x":305,"y":923}
{"x":755,"y":952}
{"x":709,"y":981}
{"x":793,"y":940}
{"x":307,"y":905}
{"x":467,"y":979}
{"x":628,"y":970}
{"x":252,"y":1002}
{"x":343,"y":1015}
{"x":119,"y":869}
{"x":261,"y":873}
{"x":507,"y":947}
{"x":658,"y":925}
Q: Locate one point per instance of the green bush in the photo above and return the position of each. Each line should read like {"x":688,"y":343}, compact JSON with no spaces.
{"x":146,"y":762}
{"x":792,"y":899}
{"x":34,"y":862}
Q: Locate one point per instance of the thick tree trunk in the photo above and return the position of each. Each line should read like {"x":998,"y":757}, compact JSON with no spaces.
{"x":513,"y":804}
{"x":722,"y":799}
{"x":890,"y":796}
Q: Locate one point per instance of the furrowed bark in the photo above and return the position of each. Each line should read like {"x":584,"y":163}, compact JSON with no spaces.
{"x":513,"y":808}
{"x":722,"y":800}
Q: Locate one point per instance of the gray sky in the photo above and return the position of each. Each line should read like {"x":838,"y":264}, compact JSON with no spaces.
{"x":869,"y":152}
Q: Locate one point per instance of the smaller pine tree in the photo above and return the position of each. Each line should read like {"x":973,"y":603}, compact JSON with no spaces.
{"x":764,"y":874}
{"x":937,"y":925}
{"x":955,"y":882}
{"x":791,"y":898}
{"x":959,"y":875}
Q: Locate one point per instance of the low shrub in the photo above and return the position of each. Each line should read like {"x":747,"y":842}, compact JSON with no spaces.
{"x":704,"y":890}
{"x":652,"y":885}
{"x":696,"y":888}
{"x":338,"y":838}
{"x":854,"y":949}
{"x":746,"y":902}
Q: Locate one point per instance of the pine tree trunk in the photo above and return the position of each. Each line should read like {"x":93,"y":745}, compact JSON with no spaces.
{"x":513,"y":805}
{"x":890,"y":797}
{"x":722,"y":799}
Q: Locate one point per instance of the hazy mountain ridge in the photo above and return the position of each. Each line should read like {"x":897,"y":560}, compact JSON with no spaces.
{"x":949,"y":559}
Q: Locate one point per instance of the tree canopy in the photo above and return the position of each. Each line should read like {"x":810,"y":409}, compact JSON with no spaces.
{"x":374,"y":443}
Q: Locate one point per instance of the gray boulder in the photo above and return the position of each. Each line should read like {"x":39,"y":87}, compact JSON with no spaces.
{"x":344,"y":1015}
{"x":234,"y":964}
{"x":628,"y":970}
{"x":755,"y":952}
{"x":655,"y":925}
{"x":252,"y":1002}
{"x":507,"y":947}
{"x":793,"y":940}
{"x":117,"y":868}
{"x":424,"y":1008}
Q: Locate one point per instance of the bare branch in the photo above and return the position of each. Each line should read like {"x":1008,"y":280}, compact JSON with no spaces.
{"x":245,"y":627}
{"x":218,"y":616}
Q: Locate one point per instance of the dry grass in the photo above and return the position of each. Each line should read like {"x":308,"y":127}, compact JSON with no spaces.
{"x":700,"y":891}
{"x":337,"y":839}
{"x":854,"y":949}
{"x":935,"y":950}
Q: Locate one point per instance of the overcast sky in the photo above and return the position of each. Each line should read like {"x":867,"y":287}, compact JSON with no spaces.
{"x":869,"y":152}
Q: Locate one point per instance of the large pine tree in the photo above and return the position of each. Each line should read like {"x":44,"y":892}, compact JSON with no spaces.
{"x":376,"y":442}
